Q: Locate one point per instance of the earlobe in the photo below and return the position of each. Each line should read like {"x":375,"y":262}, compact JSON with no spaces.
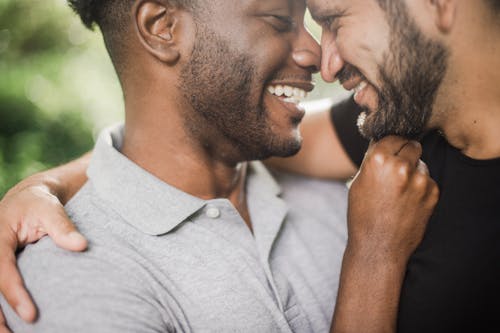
{"x":156,"y":27}
{"x":446,"y":12}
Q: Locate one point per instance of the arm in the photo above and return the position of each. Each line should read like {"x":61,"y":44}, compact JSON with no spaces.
{"x":322,"y":154}
{"x":390,"y":202}
{"x":30,"y":210}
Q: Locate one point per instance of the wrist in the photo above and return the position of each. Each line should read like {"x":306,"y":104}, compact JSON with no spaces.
{"x":49,"y":182}
{"x":375,"y":254}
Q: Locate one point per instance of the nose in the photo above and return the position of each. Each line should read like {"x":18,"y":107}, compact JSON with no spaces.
{"x":307,"y":52}
{"x":331,"y":61}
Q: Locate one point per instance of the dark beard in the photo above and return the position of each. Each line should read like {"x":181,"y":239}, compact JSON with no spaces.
{"x":217,"y":82}
{"x":410,"y":78}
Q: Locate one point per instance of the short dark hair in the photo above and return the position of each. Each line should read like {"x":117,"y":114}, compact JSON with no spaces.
{"x":109,"y":13}
{"x":495,"y":4}
{"x":112,"y":17}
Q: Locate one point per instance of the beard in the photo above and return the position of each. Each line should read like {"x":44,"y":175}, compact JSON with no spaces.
{"x":221,"y":86}
{"x":409,"y":79}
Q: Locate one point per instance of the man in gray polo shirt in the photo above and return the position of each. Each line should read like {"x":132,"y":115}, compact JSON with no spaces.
{"x":185,"y":234}
{"x":162,"y":260}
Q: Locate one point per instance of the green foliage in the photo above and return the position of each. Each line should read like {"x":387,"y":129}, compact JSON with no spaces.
{"x":57,"y":87}
{"x":39,"y":125}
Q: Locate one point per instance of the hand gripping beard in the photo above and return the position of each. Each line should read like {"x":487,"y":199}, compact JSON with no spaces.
{"x":409,"y":80}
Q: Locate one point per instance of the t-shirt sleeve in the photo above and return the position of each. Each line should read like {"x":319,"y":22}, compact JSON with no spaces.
{"x":344,"y":116}
{"x":80,"y":292}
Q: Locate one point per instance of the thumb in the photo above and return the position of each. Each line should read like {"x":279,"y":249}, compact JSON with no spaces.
{"x":63,"y":232}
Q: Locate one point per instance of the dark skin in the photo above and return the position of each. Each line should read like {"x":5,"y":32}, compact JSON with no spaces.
{"x":168,"y":40}
{"x":376,"y":255}
{"x":164,"y":38}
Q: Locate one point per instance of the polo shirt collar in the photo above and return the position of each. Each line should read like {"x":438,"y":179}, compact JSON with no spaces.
{"x":144,"y":201}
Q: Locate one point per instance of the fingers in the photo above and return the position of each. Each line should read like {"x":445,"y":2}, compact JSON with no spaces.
{"x":422,"y":168}
{"x":390,"y":145}
{"x":3,"y":324}
{"x":411,"y":152}
{"x":63,"y":232}
{"x":11,"y":285}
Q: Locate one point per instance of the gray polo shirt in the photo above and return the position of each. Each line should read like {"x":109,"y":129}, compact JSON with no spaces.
{"x":161,"y":260}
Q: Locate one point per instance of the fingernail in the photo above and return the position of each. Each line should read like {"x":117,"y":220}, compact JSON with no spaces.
{"x":76,"y":237}
{"x":25,"y":312}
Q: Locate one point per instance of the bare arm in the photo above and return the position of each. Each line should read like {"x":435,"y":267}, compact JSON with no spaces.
{"x":388,"y":211}
{"x":390,"y":202}
{"x":29,"y":211}
{"x":322,"y":154}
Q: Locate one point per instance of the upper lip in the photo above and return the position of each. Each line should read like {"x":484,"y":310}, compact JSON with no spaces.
{"x":352,"y":83}
{"x":308,"y":86}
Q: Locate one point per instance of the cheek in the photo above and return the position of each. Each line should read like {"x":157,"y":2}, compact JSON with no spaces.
{"x":271,"y":57}
{"x":362,"y":49}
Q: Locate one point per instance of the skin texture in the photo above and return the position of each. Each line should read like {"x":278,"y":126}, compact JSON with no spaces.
{"x":380,"y":244}
{"x":459,"y":111}
{"x":165,"y":126}
{"x":45,"y":195}
{"x":391,"y":173}
{"x":465,"y":107}
{"x":402,"y":83}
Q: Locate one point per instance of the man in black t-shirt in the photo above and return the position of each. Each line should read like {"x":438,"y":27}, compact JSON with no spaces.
{"x":420,"y":67}
{"x":452,"y":281}
{"x":427,"y":70}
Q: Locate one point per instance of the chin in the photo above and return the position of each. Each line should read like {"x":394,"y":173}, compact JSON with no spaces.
{"x":277,"y":148}
{"x":288,"y":148}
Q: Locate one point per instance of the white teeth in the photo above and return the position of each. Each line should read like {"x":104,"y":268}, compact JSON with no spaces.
{"x":292,"y":100}
{"x":278,"y":90}
{"x":361,"y":120}
{"x":360,"y":87}
{"x":296,"y":92}
{"x":292,"y":94}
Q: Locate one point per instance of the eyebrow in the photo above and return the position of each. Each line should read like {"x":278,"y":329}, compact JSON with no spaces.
{"x":328,"y":14}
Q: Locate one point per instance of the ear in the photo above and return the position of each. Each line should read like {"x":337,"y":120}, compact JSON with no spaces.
{"x":445,"y":14}
{"x":158,"y":29}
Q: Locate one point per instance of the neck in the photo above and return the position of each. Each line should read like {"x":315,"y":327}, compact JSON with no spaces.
{"x":157,"y":140}
{"x":469,"y":115}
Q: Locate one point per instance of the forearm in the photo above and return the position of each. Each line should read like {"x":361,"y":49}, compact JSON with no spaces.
{"x":322,"y":154}
{"x":62,"y":181}
{"x":369,"y":292}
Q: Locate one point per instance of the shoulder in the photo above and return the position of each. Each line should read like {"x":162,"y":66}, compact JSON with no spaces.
{"x":99,"y":290}
{"x":433,"y":140}
{"x":434,"y":148}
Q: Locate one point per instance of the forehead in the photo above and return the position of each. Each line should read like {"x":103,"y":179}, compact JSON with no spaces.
{"x":248,"y":6}
{"x":323,"y":8}
{"x":320,"y":6}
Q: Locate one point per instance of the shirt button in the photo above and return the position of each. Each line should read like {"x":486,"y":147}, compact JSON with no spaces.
{"x":213,"y":212}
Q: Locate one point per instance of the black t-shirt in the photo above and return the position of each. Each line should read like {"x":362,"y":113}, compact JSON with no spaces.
{"x":452,"y":281}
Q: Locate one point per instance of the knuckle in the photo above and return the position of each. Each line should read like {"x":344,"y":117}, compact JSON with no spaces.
{"x":403,"y":169}
{"x":417,"y":147}
{"x":420,"y":182}
{"x":434,"y":193}
{"x":377,"y":158}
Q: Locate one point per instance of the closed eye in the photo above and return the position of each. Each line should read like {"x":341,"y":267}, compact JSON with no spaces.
{"x":331,"y":22}
{"x":281,"y":23}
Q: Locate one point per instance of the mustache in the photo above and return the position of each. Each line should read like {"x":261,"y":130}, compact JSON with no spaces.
{"x":348,"y":72}
{"x":293,"y":77}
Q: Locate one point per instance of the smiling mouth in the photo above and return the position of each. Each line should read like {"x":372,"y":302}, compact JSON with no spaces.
{"x":355,"y":85}
{"x":291,"y":93}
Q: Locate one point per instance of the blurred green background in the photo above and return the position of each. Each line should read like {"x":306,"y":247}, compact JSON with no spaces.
{"x":57,"y":87}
